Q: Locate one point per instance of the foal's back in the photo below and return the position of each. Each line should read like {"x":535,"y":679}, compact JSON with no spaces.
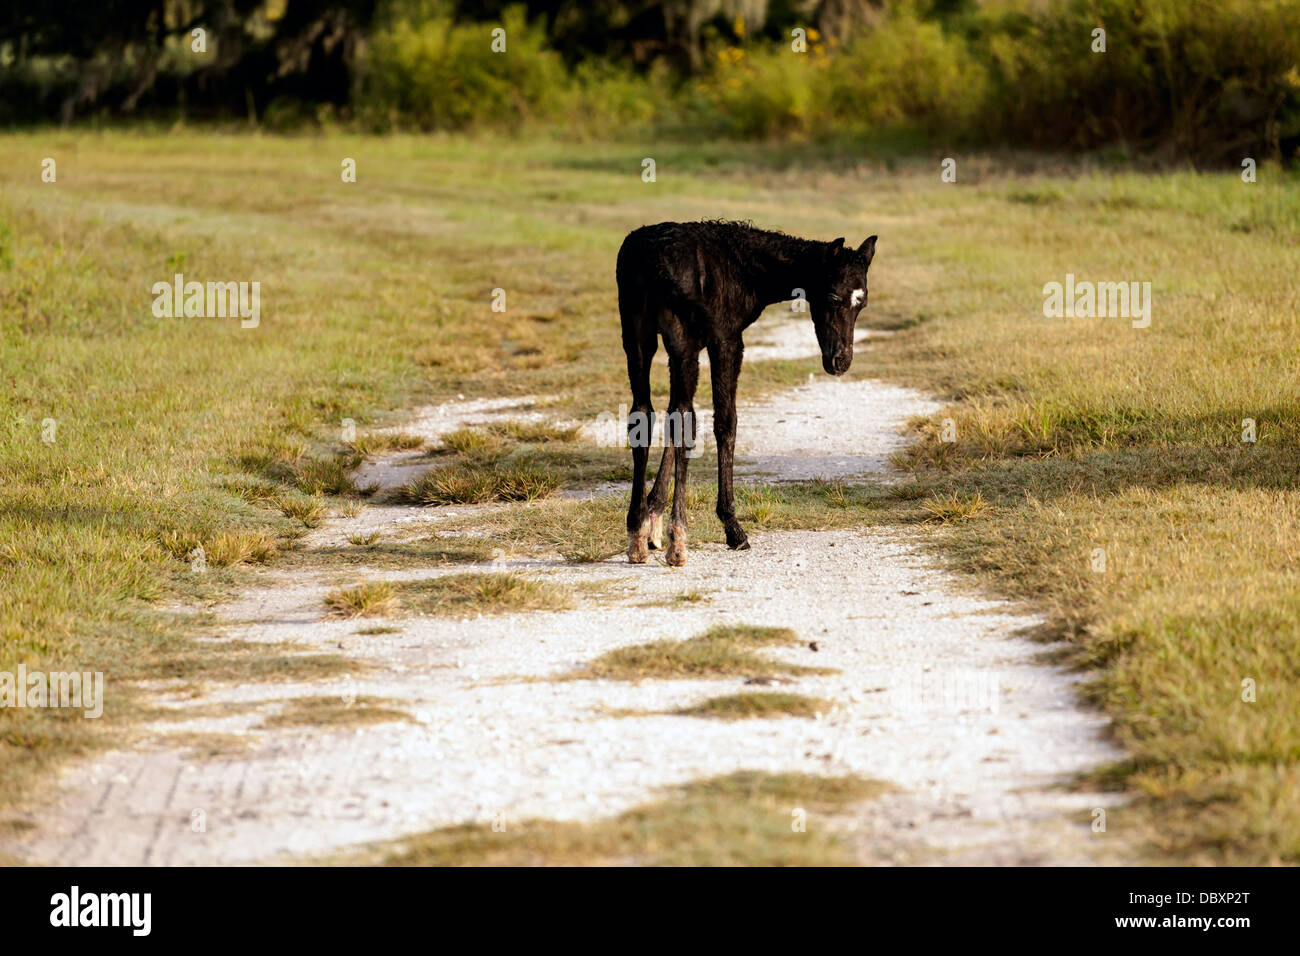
{"x":679,"y":263}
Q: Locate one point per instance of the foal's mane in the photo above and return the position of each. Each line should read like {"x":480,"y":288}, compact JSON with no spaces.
{"x":774,"y":237}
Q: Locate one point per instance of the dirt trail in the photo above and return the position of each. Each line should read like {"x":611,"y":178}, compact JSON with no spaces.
{"x":933,"y":692}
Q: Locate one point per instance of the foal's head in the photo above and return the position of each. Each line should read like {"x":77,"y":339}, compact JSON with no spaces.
{"x":838,"y":298}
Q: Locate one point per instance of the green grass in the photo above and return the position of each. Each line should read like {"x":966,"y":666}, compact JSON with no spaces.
{"x":745,"y":819}
{"x":1079,"y":434}
{"x":725,"y":651}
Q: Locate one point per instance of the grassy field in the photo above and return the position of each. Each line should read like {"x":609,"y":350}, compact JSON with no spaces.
{"x":1072,"y":435}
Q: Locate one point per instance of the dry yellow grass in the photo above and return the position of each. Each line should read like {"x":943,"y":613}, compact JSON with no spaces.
{"x":369,"y":599}
{"x":490,"y":593}
{"x":753,"y":706}
{"x":334,"y":711}
{"x":745,"y":819}
{"x":718,"y":652}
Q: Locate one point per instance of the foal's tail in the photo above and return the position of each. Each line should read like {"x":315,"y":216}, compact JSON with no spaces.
{"x":636,"y":310}
{"x":640,"y":340}
{"x":632,"y":266}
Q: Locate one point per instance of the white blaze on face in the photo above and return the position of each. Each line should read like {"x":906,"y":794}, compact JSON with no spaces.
{"x":857,"y":297}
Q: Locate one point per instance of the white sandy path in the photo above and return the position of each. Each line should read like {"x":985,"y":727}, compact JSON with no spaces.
{"x":976,"y":768}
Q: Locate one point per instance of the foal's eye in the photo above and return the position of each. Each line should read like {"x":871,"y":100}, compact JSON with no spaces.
{"x":835,"y":299}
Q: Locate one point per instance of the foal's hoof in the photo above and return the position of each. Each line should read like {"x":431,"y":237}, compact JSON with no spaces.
{"x":676,"y":555}
{"x":637,"y":552}
{"x":736,"y":538}
{"x":656,"y":532}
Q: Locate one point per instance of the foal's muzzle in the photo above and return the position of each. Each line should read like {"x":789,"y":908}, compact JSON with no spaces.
{"x":837,"y":362}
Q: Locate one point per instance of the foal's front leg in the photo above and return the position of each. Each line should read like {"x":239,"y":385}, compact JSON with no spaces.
{"x":724,"y":371}
{"x":684,"y":372}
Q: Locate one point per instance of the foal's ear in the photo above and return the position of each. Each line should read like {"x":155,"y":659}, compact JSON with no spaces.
{"x":835,"y":246}
{"x":868,"y":249}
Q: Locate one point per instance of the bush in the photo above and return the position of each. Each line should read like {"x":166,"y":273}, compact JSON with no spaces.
{"x":1206,"y":79}
{"x":906,"y":74}
{"x":1212,"y":79}
{"x":764,"y":94}
{"x":603,"y":96}
{"x":903,"y":74}
{"x":432,"y":74}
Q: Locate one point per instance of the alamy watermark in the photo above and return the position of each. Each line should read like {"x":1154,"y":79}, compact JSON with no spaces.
{"x":130,"y":910}
{"x":212,"y":300}
{"x":1088,"y":300}
{"x":78,"y":690}
{"x":641,"y":430}
{"x":950,"y":691}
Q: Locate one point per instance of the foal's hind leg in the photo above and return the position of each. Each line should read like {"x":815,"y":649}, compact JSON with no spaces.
{"x":640,"y":343}
{"x":659,"y":498}
{"x":659,"y":491}
{"x":684,"y":371}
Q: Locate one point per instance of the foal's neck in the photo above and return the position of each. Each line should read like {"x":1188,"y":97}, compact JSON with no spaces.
{"x":780,"y":264}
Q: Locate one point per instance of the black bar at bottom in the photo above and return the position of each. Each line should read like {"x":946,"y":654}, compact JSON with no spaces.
{"x":339,"y":907}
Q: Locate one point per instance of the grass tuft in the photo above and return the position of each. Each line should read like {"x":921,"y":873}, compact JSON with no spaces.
{"x":464,"y":483}
{"x":328,"y":476}
{"x":473,"y":442}
{"x":494,"y":593}
{"x":310,"y":511}
{"x":955,"y":507}
{"x":377,"y":443}
{"x":535,"y":433}
{"x":222,"y":550}
{"x":757,"y":706}
{"x":371,"y":599}
{"x":334,"y":711}
{"x":718,"y":652}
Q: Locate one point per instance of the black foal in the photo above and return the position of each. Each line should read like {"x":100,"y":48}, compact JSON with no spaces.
{"x":700,"y":285}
